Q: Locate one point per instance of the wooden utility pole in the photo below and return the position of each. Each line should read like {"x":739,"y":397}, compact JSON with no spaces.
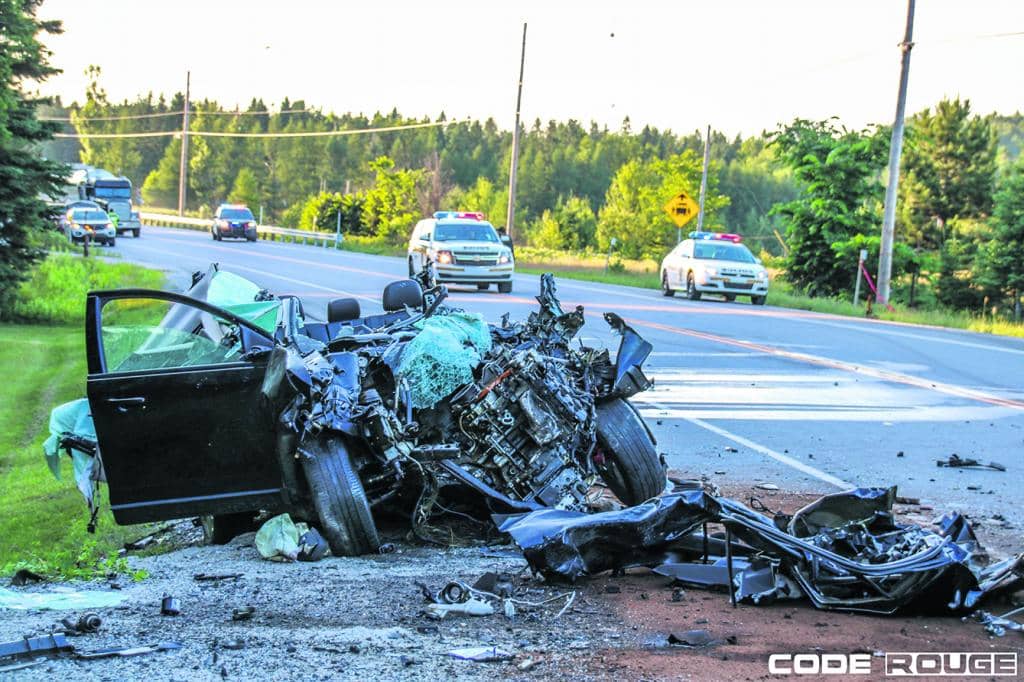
{"x":514,"y":168}
{"x":895,"y":148}
{"x":704,"y":180}
{"x":183,"y":168}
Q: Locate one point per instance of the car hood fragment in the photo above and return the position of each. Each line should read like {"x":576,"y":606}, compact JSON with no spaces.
{"x":843,"y":552}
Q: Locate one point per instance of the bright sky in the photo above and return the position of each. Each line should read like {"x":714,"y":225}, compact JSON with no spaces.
{"x":738,"y":65}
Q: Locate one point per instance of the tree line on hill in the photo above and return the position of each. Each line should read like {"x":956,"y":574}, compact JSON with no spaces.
{"x":810,"y":191}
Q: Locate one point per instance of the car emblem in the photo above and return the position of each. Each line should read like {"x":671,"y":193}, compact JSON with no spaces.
{"x":476,"y":259}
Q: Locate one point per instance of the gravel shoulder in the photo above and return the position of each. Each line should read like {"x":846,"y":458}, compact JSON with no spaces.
{"x":357,"y":618}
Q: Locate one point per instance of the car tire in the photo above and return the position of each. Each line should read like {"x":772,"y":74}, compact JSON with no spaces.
{"x":339,"y":499}
{"x":504,"y":287}
{"x":250,"y":239}
{"x":758,"y":300}
{"x":483,"y":287}
{"x":665,"y":289}
{"x":691,"y":288}
{"x":223,"y":528}
{"x":112,"y":242}
{"x":730,"y":297}
{"x":631,"y":468}
{"x":135,"y":232}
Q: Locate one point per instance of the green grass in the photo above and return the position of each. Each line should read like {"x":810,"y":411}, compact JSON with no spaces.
{"x":43,"y":526}
{"x":782,"y":294}
{"x":56,"y":291}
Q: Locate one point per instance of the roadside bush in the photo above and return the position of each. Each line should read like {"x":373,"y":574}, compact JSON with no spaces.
{"x":55,"y":291}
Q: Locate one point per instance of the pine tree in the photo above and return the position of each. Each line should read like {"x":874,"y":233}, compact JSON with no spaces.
{"x":26,"y":178}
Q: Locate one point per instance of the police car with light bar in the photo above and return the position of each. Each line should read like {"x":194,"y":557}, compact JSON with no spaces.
{"x":233,"y":220}
{"x":462,"y":248}
{"x":714,"y":263}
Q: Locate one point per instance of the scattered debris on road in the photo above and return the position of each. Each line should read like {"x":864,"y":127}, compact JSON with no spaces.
{"x":958,"y":462}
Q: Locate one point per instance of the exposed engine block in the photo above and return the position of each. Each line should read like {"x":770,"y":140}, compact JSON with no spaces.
{"x":526,"y":430}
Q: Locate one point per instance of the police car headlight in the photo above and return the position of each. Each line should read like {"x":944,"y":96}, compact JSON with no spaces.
{"x":504,"y":257}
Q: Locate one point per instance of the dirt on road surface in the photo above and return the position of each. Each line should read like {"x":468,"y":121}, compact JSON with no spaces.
{"x":364,"y":618}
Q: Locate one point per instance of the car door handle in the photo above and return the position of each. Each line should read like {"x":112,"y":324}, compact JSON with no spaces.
{"x":123,"y":404}
{"x":137,"y":400}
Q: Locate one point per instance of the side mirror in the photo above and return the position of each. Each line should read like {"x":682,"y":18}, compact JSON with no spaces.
{"x":506,"y":240}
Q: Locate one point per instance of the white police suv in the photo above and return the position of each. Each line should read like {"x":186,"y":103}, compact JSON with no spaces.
{"x":714,"y":263}
{"x":463,"y":248}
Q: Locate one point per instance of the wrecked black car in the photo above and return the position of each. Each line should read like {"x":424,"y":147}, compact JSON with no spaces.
{"x":227,"y":400}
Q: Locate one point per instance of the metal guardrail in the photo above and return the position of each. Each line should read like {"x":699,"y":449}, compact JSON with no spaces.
{"x":267,"y":232}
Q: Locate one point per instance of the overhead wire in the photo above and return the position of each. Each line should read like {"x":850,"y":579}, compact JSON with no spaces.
{"x":206,"y":133}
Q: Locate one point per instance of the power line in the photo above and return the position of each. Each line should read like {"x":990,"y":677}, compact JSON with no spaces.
{"x":318,"y":133}
{"x":133,"y":117}
{"x":127,"y":117}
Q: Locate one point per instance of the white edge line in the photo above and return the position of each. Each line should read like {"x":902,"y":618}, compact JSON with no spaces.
{"x":777,"y":456}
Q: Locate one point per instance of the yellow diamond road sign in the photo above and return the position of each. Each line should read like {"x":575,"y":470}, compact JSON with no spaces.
{"x":681,"y":209}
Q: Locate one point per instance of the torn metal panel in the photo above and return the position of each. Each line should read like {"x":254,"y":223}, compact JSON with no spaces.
{"x":850,"y":554}
{"x":571,"y":544}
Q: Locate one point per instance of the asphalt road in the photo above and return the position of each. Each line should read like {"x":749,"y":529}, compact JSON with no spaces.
{"x":805,"y":401}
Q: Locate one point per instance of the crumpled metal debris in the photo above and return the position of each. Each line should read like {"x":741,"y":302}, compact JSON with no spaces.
{"x":998,"y":625}
{"x":956,"y":461}
{"x":844,"y":551}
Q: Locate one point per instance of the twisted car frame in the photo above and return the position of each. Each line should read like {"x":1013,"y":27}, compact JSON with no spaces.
{"x":227,"y":400}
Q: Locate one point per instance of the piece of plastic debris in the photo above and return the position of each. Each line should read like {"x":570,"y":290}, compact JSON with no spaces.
{"x":386,"y":548}
{"x":86,"y":624}
{"x":527,"y":664}
{"x":58,"y":598}
{"x":472,"y":607}
{"x":243,"y":613}
{"x":956,"y":461}
{"x":278,"y":539}
{"x":767,"y":486}
{"x":170,"y":606}
{"x":233,"y":644}
{"x":481,"y":654}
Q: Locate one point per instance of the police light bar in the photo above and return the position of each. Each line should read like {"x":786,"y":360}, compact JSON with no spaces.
{"x":469,"y":215}
{"x":723,"y":236}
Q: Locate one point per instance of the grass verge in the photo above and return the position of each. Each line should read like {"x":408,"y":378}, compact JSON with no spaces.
{"x":55,"y":293}
{"x":43,"y":527}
